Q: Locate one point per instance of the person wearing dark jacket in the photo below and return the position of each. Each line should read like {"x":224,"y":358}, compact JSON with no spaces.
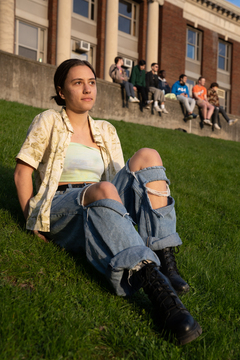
{"x":162,"y":82}
{"x":138,"y":80}
{"x":152,"y":86}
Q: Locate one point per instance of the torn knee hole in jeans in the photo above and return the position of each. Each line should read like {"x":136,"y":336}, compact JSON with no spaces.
{"x":159,"y":193}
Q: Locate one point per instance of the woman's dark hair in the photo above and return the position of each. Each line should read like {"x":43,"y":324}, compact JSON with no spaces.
{"x":61,"y":74}
{"x":213,"y":85}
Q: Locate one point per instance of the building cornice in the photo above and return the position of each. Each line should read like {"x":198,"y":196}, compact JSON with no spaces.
{"x":221,"y":8}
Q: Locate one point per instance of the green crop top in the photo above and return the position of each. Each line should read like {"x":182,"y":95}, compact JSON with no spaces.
{"x":82,"y":164}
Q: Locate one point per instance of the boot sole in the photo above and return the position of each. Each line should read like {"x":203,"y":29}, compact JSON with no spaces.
{"x":191,"y":335}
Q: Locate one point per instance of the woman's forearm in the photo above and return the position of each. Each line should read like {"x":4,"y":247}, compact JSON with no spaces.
{"x":24,"y":185}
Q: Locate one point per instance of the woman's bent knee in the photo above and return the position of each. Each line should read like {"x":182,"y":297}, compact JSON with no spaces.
{"x":144,"y":158}
{"x":99,"y":191}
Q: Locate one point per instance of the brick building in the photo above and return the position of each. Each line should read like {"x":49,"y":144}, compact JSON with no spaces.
{"x":196,"y":37}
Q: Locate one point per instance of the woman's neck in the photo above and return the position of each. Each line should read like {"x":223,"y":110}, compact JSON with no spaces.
{"x":78,"y":120}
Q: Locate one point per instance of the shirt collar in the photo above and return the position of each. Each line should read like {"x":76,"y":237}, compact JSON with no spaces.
{"x":97,"y":137}
{"x":66,"y":119}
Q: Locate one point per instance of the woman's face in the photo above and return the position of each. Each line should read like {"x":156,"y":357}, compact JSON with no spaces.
{"x":80,"y":90}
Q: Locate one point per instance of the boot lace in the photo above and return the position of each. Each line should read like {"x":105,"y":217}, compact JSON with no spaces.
{"x":158,"y":288}
{"x":170,"y":260}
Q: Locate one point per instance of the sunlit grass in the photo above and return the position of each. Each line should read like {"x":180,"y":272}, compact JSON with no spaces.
{"x":55,"y":307}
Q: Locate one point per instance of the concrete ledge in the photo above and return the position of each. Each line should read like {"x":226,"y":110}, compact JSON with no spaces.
{"x":31,"y":83}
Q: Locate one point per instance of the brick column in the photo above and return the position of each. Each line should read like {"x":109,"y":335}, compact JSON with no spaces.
{"x":52,"y":31}
{"x":101,"y":26}
{"x":209,"y":55}
{"x":7,"y":25}
{"x":142,"y":30}
{"x":64,"y":30}
{"x":172,"y":41}
{"x":111,"y":42}
{"x":235,"y":78}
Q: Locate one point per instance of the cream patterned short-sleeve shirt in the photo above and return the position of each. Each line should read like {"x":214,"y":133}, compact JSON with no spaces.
{"x":44,"y":149}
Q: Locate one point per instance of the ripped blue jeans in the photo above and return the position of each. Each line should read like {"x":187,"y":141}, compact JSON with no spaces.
{"x":104,"y":230}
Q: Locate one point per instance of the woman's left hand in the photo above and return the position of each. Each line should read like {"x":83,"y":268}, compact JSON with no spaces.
{"x":35,"y":232}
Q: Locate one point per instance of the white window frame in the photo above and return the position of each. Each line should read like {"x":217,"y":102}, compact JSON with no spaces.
{"x":197,"y":45}
{"x":133,"y":20}
{"x":90,"y":2}
{"x":42,"y":36}
{"x":227,"y":56}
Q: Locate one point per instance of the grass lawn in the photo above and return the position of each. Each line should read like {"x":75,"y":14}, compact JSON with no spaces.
{"x":54,"y":306}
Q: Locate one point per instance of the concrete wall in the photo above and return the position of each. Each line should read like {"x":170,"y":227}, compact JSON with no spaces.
{"x":31,"y":83}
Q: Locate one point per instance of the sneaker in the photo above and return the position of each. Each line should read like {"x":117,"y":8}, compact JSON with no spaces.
{"x":136,"y":99}
{"x":157,"y":108}
{"x":164,"y":111}
{"x":207,"y":122}
{"x":217,"y":126}
{"x":131,"y":99}
{"x":149,"y":101}
{"x":194,"y":115}
{"x":188,"y":117}
{"x":231,"y":122}
{"x":147,"y":107}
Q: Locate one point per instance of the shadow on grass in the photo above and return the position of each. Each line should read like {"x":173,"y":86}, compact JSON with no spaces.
{"x":8,"y":195}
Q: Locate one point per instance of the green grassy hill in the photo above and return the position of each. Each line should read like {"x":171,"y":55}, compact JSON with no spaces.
{"x":54,"y":306}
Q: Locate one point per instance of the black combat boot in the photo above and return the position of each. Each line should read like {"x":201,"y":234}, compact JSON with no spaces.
{"x":174,"y":319}
{"x":169,"y":269}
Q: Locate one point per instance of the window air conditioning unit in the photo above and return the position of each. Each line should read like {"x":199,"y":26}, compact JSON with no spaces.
{"x":81,"y":46}
{"x":127,"y":63}
{"x":221,"y":93}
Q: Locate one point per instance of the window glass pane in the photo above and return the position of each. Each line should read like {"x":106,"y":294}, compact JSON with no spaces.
{"x":190,"y":52}
{"x":191,"y":37}
{"x":221,"y":49}
{"x":80,"y":7}
{"x":124,"y":25}
{"x":28,"y":53}
{"x":125,"y":8}
{"x":221,"y":63}
{"x":28,"y":35}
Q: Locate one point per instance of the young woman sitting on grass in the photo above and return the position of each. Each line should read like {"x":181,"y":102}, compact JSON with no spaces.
{"x":87,"y":200}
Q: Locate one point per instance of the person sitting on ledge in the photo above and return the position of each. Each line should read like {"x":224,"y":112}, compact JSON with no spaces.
{"x":162,"y":82}
{"x":180,"y":89}
{"x":214,"y":100}
{"x":119,"y":75}
{"x":152,"y":86}
{"x":88,"y":201}
{"x":200,"y":94}
{"x":139,"y":83}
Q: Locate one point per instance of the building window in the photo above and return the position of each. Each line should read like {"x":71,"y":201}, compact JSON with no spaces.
{"x":30,"y":41}
{"x":85,"y":8}
{"x":224,"y":56}
{"x":190,"y":84}
{"x":193,"y":44}
{"x":83,"y":52}
{"x":127,"y":17}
